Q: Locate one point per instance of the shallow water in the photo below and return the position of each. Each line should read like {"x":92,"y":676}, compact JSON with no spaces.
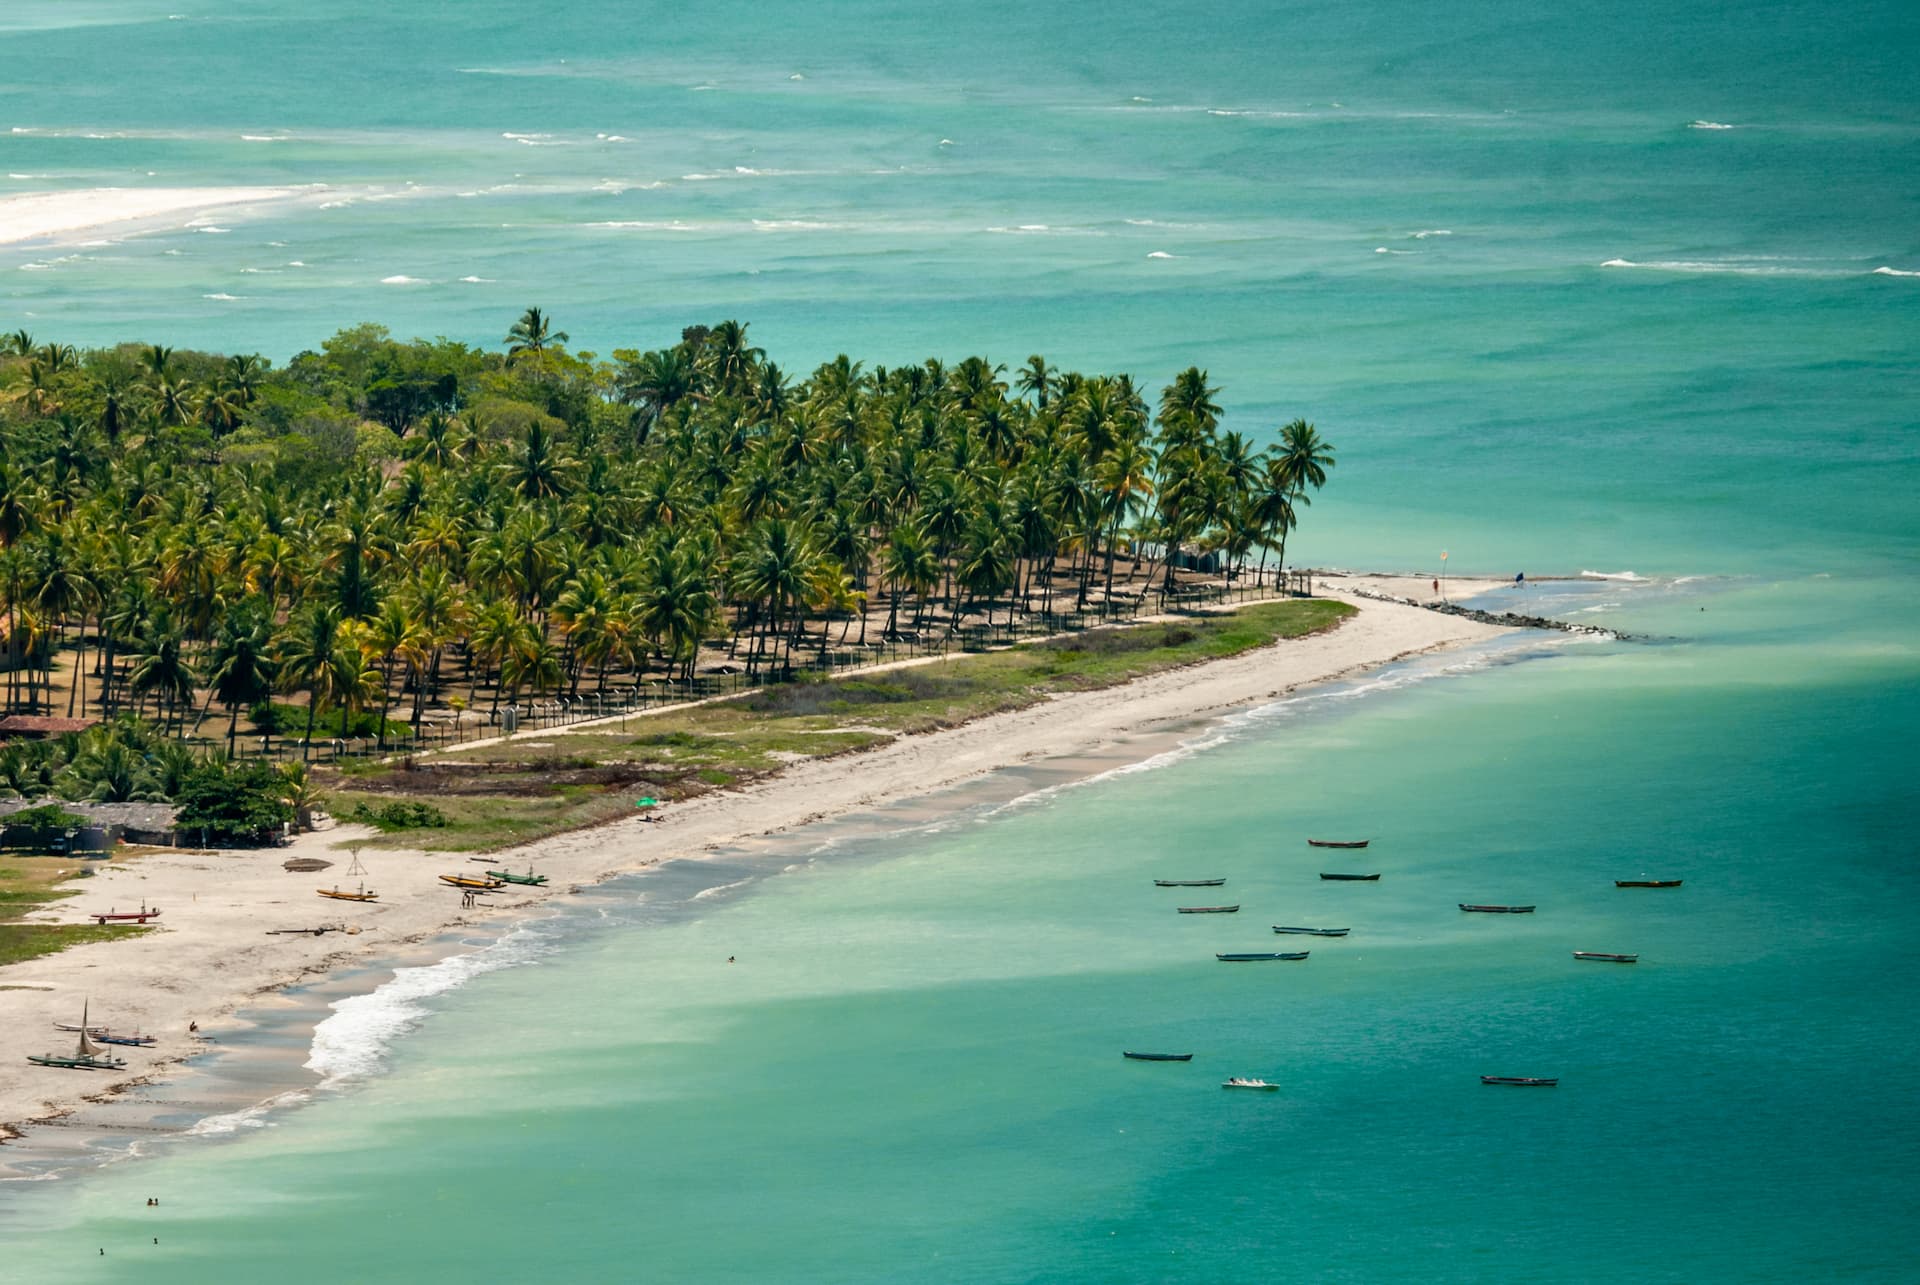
{"x":913,"y":1070}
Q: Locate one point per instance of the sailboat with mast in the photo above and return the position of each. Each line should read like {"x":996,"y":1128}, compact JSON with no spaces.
{"x":87,"y":1056}
{"x":338,"y":893}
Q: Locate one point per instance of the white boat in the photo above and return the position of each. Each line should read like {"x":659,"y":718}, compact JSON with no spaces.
{"x":1241,"y":1082}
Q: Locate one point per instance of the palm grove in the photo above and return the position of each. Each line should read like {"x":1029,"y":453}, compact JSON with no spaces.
{"x":379,"y":529}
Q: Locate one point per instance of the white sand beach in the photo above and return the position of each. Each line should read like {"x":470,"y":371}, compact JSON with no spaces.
{"x":39,"y":215}
{"x":212,"y":950}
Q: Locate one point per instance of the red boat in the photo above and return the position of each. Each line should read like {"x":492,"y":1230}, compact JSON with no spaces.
{"x":139,"y":916}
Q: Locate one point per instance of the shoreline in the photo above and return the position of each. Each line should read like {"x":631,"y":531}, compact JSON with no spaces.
{"x":212,"y":956}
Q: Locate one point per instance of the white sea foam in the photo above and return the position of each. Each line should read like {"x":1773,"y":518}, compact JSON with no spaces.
{"x":295,"y":263}
{"x":1707,"y":124}
{"x":403,"y":281}
{"x":1747,"y":266}
{"x":796,"y":76}
{"x":253,"y":1117}
{"x":36,"y":267}
{"x":477,"y":281}
{"x":352,"y":1044}
{"x":719,"y":890}
{"x":946,"y":142}
{"x":222,"y":297}
{"x":1427,"y":232}
{"x":213,"y":231}
{"x":1884,"y":271}
{"x":1162,"y":254}
{"x":1381,"y":249}
{"x":263,"y":138}
{"x":1627,"y":576}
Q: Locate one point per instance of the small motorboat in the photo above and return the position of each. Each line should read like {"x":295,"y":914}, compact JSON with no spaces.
{"x":530,"y":879}
{"x":1241,"y":1082}
{"x":1252,"y":956}
{"x":1604,"y":958}
{"x":1647,"y":883}
{"x":1188,"y":883}
{"x":1314,"y":932}
{"x":1210,"y":910}
{"x":139,"y":916}
{"x":1338,"y":843}
{"x":1158,"y":1057}
{"x":1496,"y":910}
{"x":1350,"y":878}
{"x":1519,"y":1081}
{"x":472,"y":883}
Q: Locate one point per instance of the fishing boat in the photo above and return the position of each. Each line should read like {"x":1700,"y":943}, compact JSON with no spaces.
{"x":1251,"y":956}
{"x":1158,"y":1057}
{"x":1313,"y":932}
{"x":472,"y":883}
{"x":1520,"y":1081}
{"x":1241,"y":1082}
{"x":1496,"y":910}
{"x":127,"y":1041}
{"x":1188,"y":883}
{"x":337,"y":893}
{"x":1351,"y":878}
{"x":1647,"y":883}
{"x":1338,"y":843}
{"x":139,"y":916}
{"x":1606,"y":958}
{"x":530,"y":879}
{"x":1210,"y":910}
{"x":87,"y":1056}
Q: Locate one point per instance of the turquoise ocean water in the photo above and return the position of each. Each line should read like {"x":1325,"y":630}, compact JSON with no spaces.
{"x":1613,"y":288}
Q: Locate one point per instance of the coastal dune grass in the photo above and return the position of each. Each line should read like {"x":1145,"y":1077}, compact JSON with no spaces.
{"x":546,"y":782}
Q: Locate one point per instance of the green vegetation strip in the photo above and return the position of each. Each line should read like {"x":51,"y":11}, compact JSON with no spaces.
{"x":21,"y":942}
{"x":537,"y":785}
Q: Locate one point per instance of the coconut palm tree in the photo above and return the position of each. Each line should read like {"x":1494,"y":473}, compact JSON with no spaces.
{"x":305,"y":662}
{"x":240,"y":668}
{"x":534,"y":332}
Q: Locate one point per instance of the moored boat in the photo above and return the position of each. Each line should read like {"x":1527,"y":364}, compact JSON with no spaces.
{"x":1210,"y":910}
{"x":1251,"y":956}
{"x":1241,"y":1082}
{"x":1520,"y":1081}
{"x":127,"y":1041}
{"x":340,"y":894}
{"x":1350,"y":878}
{"x":1158,"y":1057}
{"x":139,"y":916}
{"x":1338,"y":843}
{"x":1496,"y":910}
{"x":471,"y":882}
{"x":1313,"y":932}
{"x":530,"y":879}
{"x":1647,"y":883}
{"x":1188,"y":883}
{"x":87,"y":1056}
{"x":1606,"y":958}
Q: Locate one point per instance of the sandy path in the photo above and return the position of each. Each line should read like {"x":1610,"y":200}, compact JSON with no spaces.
{"x":212,"y":951}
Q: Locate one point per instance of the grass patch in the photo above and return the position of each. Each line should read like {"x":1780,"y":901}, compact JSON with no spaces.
{"x":21,"y":942}
{"x":550,"y":781}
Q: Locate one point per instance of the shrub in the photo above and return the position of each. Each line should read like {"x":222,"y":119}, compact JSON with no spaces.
{"x":241,"y":805}
{"x":400,"y":815}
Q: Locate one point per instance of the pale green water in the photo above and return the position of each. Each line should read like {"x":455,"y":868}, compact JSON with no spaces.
{"x":913,"y":1072}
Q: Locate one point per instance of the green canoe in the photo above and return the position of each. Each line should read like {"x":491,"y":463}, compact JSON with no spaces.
{"x":529,"y":878}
